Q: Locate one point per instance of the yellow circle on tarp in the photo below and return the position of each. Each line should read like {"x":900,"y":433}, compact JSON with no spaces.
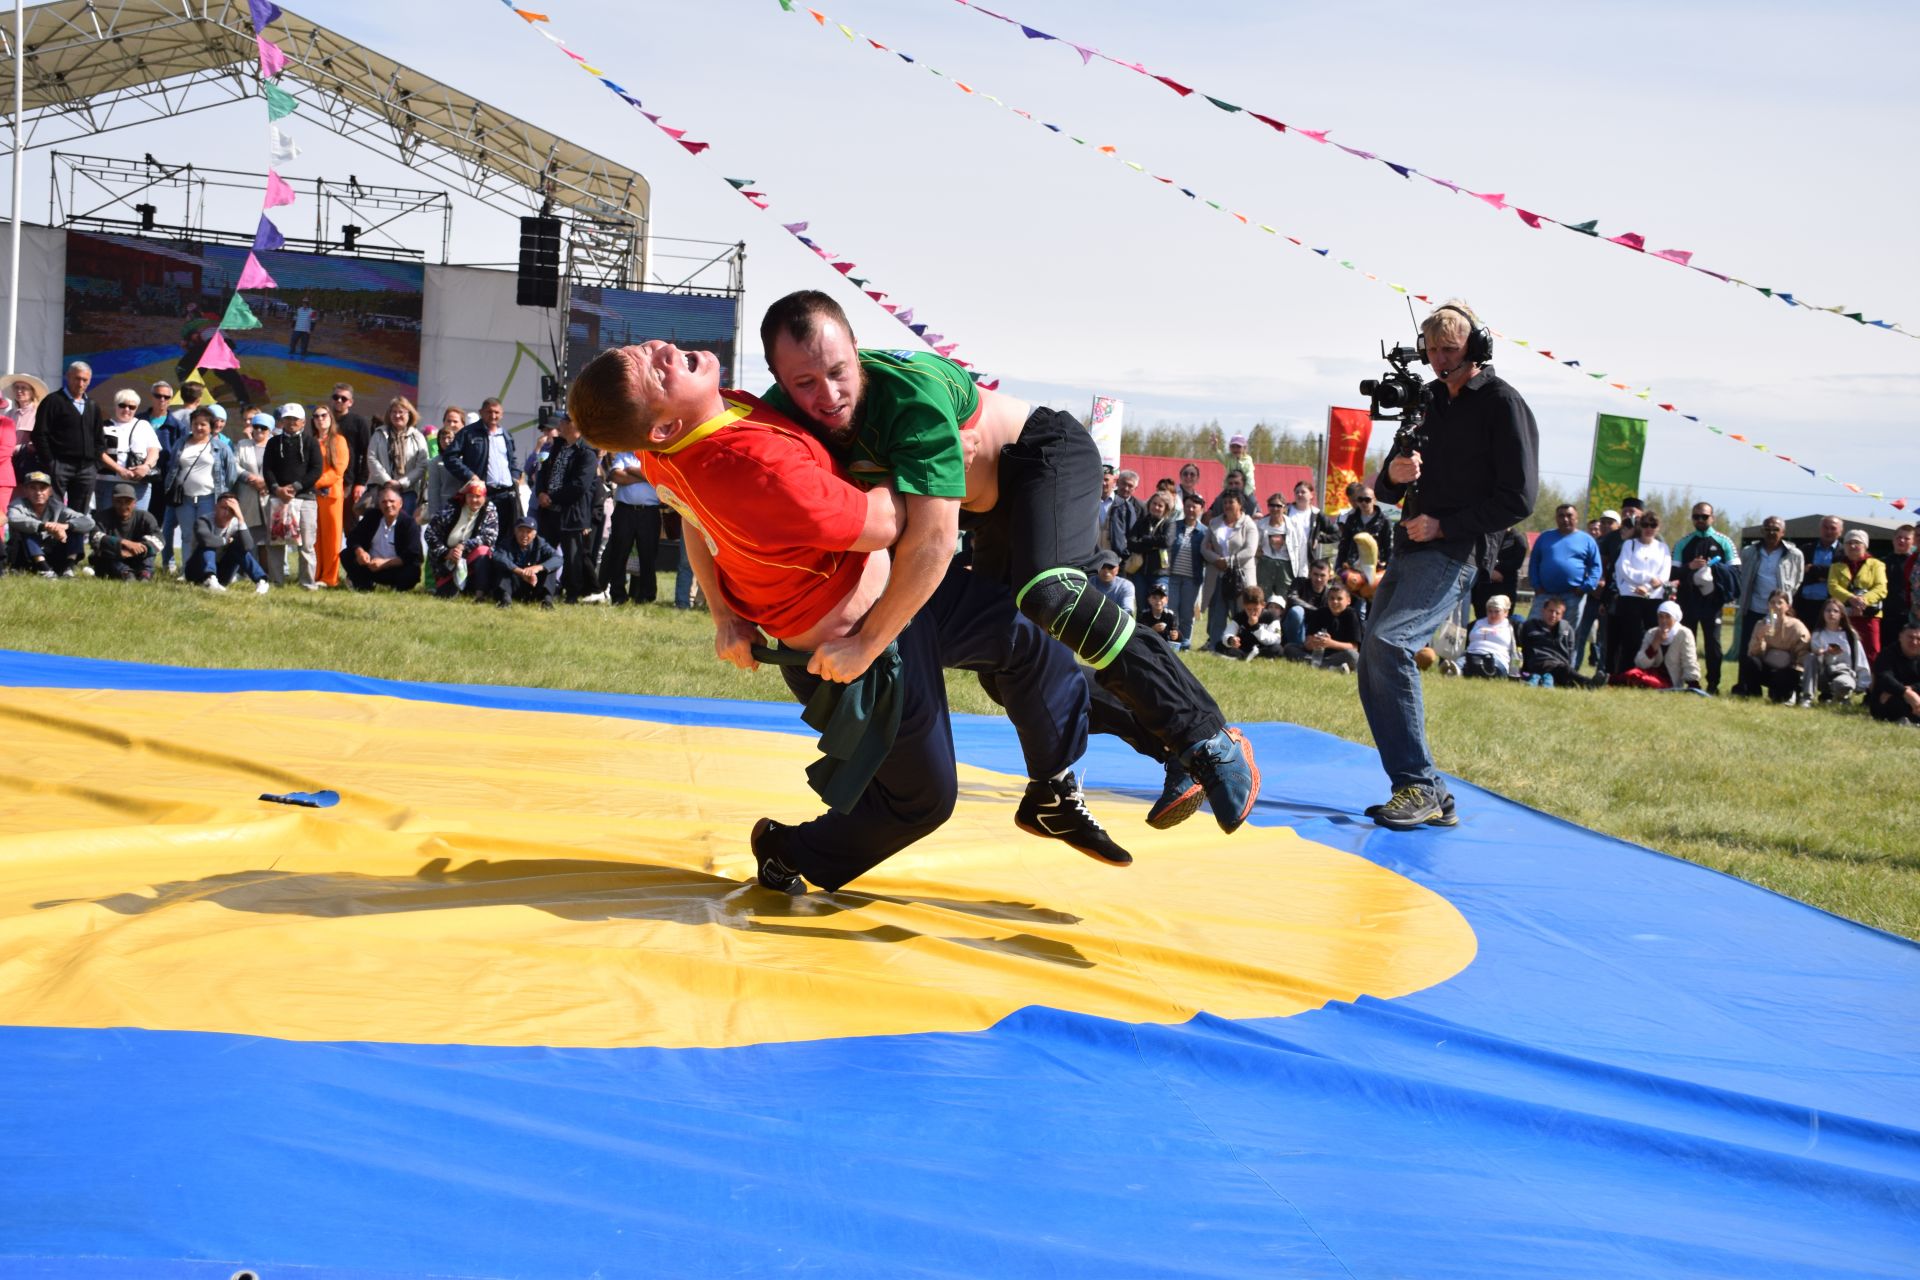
{"x":526,"y":878}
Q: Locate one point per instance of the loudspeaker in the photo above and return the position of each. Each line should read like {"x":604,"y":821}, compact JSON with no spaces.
{"x":538,"y":284}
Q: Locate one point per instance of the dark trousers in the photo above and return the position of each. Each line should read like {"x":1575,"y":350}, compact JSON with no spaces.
{"x":401,"y":577}
{"x":74,"y":482}
{"x":31,"y":552}
{"x":297,"y":345}
{"x":1707,"y":630}
{"x":636,"y":528}
{"x":1627,"y":626}
{"x":505,"y":502}
{"x":109,"y":563}
{"x":968,"y":624}
{"x":576,"y":573}
{"x":508,"y":586}
{"x":1044,"y":519}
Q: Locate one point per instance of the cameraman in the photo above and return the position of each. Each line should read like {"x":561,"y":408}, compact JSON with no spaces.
{"x":1469,"y":473}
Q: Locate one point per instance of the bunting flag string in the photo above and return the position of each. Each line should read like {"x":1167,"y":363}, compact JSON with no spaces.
{"x":858,"y":39}
{"x":1497,"y":201}
{"x":744,"y":187}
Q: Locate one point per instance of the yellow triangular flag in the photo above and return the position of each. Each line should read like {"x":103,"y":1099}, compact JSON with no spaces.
{"x":195,"y":376}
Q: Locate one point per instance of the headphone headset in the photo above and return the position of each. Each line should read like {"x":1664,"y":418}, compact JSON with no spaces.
{"x":1479,"y":338}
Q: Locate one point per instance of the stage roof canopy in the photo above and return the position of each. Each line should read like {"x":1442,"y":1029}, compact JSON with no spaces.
{"x":110,"y":64}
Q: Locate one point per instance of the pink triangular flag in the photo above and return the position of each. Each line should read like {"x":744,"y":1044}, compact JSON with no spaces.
{"x":1675,"y":255}
{"x":1497,"y":201}
{"x":278,"y":192}
{"x":1318,"y":135}
{"x":272,"y":60}
{"x":843,"y":267}
{"x":1632,"y":239}
{"x":795,"y":227}
{"x":218,"y":354}
{"x":947,"y":349}
{"x":254,"y":276}
{"x":1531,"y":219}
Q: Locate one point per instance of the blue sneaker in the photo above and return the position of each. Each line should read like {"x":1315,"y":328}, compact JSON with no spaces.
{"x":1179,"y":799}
{"x":1546,"y":680}
{"x":1223,"y":764}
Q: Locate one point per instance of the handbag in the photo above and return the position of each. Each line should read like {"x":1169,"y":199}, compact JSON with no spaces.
{"x":283,"y":524}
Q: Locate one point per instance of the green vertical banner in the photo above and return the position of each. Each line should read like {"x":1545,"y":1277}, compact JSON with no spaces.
{"x":1619,"y":444}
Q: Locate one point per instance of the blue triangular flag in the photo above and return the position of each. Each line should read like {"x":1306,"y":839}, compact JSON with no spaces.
{"x":265,"y":14}
{"x":268,"y":237}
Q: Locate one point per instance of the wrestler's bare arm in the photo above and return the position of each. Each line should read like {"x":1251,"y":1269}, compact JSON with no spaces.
{"x":920,"y":561}
{"x":733,"y":636}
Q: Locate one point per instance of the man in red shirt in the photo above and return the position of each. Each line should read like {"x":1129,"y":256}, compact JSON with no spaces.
{"x":783,"y":543}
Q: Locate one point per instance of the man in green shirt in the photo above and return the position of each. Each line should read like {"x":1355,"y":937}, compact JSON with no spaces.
{"x":1028,"y":480}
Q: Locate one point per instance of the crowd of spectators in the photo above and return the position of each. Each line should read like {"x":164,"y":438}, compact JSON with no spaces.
{"x":319,"y":496}
{"x":131,"y":487}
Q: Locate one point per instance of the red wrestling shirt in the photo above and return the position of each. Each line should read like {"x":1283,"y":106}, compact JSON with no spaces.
{"x":773,"y":509}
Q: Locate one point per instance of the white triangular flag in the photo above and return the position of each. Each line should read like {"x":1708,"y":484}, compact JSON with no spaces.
{"x":280,"y":145}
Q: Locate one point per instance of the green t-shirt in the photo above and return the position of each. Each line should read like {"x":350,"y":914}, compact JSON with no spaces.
{"x":909,"y":426}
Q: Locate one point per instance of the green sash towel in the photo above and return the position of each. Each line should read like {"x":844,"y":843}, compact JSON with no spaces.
{"x":857,"y":723}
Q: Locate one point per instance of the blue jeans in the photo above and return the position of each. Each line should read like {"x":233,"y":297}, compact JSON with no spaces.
{"x":1293,"y":625}
{"x":683,"y":579}
{"x":1424,"y":589}
{"x":232,"y":561}
{"x":182,"y":517}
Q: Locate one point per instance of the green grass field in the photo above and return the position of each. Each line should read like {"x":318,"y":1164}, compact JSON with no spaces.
{"x":1815,"y":804}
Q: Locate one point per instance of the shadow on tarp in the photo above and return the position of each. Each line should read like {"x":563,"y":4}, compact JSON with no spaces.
{"x":584,"y":890}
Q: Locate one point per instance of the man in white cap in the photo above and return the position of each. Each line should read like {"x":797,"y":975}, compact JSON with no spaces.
{"x":292,"y":468}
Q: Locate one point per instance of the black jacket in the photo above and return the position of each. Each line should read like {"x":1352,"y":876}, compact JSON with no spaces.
{"x":567,"y":477}
{"x":62,"y":433}
{"x":1480,"y":468}
{"x":1376,"y":525}
{"x":293,"y":460}
{"x":359,"y":432}
{"x":407,"y":541}
{"x":539,"y":551}
{"x":468,"y":457}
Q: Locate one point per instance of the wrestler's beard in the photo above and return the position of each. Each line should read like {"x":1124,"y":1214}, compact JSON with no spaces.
{"x":843,"y":436}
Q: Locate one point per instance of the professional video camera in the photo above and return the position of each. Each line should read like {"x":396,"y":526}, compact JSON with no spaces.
{"x":1401,"y":394}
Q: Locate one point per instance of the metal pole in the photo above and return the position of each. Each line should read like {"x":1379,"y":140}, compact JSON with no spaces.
{"x":19,"y":168}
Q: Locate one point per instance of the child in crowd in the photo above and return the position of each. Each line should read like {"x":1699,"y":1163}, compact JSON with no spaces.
{"x":1157,"y":617}
{"x":1492,"y":652}
{"x":1334,"y":631}
{"x":1777,"y":653}
{"x":1253,"y":630}
{"x":1836,"y":665}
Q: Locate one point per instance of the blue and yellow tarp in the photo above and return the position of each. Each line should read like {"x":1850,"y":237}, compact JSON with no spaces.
{"x":512,"y":1008}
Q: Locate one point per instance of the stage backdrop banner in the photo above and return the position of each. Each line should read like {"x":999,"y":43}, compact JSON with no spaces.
{"x":1619,"y":445}
{"x":1348,"y":431}
{"x":600,"y":318}
{"x":140,"y":309}
{"x":43,"y":287}
{"x":479,"y":344}
{"x":1105,"y":422}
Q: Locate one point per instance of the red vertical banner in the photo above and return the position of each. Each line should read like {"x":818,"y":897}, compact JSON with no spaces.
{"x":1347,"y":434}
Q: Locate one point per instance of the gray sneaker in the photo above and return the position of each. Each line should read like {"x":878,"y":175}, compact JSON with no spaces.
{"x":1413,"y":806}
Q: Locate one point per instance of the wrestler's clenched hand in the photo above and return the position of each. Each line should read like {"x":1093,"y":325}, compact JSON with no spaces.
{"x":733,"y":641}
{"x":841,"y":661}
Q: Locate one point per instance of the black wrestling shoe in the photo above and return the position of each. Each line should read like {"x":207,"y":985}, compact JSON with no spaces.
{"x":1058,"y":811}
{"x":774,"y":874}
{"x":1445,"y":818}
{"x":1179,"y":799}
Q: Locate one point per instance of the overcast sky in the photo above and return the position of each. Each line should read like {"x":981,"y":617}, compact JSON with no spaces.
{"x":1771,"y":140}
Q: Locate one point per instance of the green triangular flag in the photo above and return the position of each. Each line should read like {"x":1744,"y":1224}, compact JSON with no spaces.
{"x":1590,"y":228}
{"x":1765,"y":292}
{"x":740,"y":184}
{"x":239,"y":315}
{"x":857,"y":281}
{"x":787,"y":5}
{"x":1224,"y":106}
{"x":1856,"y":317}
{"x":280,"y":103}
